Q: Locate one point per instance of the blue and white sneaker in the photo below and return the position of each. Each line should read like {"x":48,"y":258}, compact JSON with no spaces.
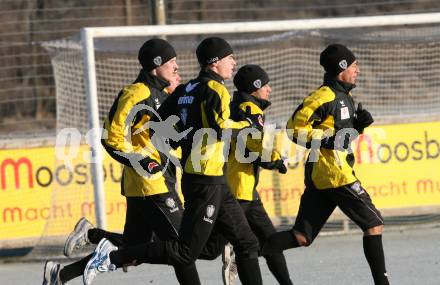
{"x":51,"y":275}
{"x":78,"y":238}
{"x":100,"y":261}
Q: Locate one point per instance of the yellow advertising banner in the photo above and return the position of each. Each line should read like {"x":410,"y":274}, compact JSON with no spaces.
{"x":41,"y":195}
{"x":399,"y":165}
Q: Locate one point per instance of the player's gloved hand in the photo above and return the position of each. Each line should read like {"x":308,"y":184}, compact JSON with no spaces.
{"x":150,"y":165}
{"x":280,"y":164}
{"x":336,"y":142}
{"x":255,"y":120}
{"x":363,"y":119}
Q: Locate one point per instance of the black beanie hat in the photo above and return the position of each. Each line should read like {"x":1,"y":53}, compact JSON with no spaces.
{"x":336,"y":58}
{"x":154,"y":53}
{"x":250,"y":78}
{"x":212,"y":49}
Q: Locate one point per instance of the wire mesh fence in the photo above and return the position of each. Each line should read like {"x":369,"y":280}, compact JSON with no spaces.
{"x":27,"y":99}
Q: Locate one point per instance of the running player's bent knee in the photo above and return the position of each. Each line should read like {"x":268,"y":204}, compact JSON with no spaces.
{"x":246,"y":247}
{"x":377,"y":230}
{"x":250,"y":251}
{"x":210,"y":255}
{"x":240,"y":255}
{"x":302,"y":239}
{"x":180,"y":255}
{"x":187,"y":257}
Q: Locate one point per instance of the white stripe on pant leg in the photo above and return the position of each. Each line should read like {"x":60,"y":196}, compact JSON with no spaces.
{"x":357,"y":197}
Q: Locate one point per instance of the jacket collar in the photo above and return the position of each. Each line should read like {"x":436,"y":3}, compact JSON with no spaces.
{"x":338,"y":85}
{"x":151,"y":80}
{"x":241,"y":97}
{"x":208,"y":74}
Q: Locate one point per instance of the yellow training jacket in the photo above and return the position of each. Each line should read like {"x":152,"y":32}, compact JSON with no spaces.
{"x":328,"y":109}
{"x":128,"y":115}
{"x":242,"y":177}
{"x":202,"y":106}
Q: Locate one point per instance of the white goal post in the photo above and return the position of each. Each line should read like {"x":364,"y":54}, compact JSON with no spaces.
{"x":89,"y":34}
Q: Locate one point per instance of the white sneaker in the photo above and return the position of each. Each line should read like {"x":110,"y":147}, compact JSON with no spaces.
{"x":78,"y":238}
{"x":51,"y":275}
{"x":229,"y":269}
{"x":99,"y":262}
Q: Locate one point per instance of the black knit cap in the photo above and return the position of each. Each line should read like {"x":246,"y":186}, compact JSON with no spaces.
{"x":250,"y":78}
{"x":155,"y":52}
{"x":212,"y":49}
{"x":336,"y":58}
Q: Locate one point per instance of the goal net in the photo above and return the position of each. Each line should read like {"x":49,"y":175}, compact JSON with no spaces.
{"x":399,"y":83}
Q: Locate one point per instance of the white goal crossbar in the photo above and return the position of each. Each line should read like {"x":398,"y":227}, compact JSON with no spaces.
{"x":90,"y":33}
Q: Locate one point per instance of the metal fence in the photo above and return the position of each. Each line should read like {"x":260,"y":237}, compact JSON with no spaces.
{"x":27,"y":99}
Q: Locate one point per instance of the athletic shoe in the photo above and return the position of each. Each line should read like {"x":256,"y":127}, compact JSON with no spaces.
{"x":100,"y":261}
{"x":125,"y":268}
{"x":51,"y":274}
{"x":229,"y":269}
{"x":78,"y":238}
